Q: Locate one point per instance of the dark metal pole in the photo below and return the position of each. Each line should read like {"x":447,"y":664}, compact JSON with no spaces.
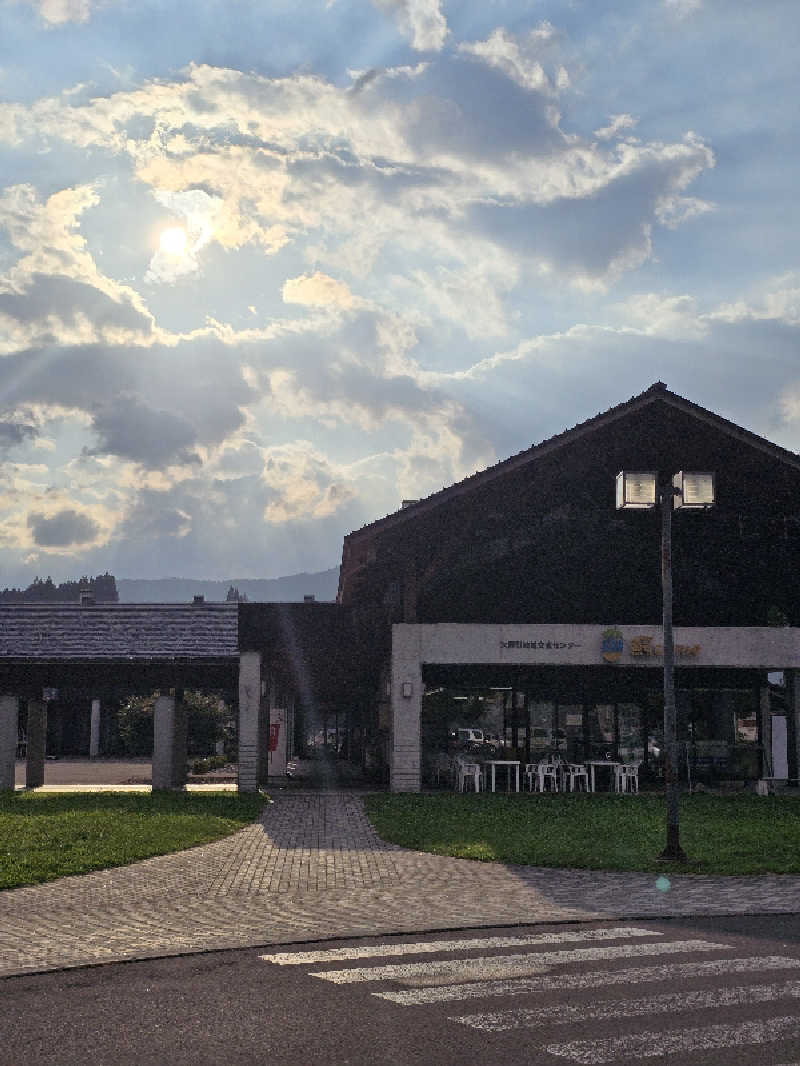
{"x":673,"y":849}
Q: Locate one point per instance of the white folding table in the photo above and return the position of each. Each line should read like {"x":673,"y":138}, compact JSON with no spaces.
{"x":591,"y":763}
{"x":503,"y":762}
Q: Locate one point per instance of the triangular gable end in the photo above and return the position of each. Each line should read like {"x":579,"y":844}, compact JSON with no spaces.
{"x":656,"y":394}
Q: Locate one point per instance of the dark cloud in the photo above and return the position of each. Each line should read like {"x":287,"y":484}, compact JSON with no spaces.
{"x":62,"y":529}
{"x":132,"y":430}
{"x":469,"y":109}
{"x":150,"y":404}
{"x":589,"y":234}
{"x":66,"y":298}
{"x":14,"y":433}
{"x":157,"y":515}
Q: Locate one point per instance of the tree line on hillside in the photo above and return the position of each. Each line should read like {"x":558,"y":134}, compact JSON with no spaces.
{"x":104,"y":587}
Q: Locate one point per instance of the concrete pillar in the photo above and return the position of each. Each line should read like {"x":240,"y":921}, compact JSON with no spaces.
{"x":169,"y":743}
{"x":765,"y":716}
{"x":9,"y":724}
{"x":406,"y":709}
{"x":181,"y":733}
{"x":250,"y":716}
{"x":265,"y":702}
{"x":792,"y":681}
{"x":37,"y":743}
{"x":94,"y":730}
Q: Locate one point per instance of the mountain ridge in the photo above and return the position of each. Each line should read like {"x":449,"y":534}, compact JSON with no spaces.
{"x":322,"y":585}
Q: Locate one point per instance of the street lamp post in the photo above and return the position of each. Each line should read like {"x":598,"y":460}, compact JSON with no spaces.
{"x":687,"y":491}
{"x":673,"y":849}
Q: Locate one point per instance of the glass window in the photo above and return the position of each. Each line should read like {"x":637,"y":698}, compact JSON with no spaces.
{"x":631,"y":739}
{"x":601,"y":731}
{"x":568,"y":737}
{"x":541,"y":718}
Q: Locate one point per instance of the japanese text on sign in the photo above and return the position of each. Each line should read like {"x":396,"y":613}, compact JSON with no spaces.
{"x":545,"y":645}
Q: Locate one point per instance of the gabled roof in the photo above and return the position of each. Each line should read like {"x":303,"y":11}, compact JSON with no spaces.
{"x":105,"y":631}
{"x":657,"y":393}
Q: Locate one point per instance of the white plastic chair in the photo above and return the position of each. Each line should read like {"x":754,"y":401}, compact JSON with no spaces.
{"x":531,"y":770}
{"x":547,"y":771}
{"x":468,"y":771}
{"x":574,"y":774}
{"x":443,"y":768}
{"x":626,"y":778}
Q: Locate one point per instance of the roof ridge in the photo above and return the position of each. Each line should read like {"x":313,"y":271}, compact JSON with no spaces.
{"x":658,"y":390}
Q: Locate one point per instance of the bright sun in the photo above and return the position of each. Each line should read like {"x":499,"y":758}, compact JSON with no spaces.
{"x":173,"y":240}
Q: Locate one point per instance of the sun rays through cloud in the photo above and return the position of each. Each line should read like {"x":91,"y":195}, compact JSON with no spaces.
{"x":295,"y":266}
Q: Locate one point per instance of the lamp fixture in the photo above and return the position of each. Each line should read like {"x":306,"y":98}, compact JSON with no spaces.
{"x":693,"y":490}
{"x":637,"y":490}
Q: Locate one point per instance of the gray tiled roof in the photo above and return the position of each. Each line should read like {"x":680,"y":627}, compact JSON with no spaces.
{"x":119,"y":631}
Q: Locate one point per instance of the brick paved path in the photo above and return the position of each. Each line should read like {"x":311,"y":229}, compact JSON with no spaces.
{"x":313,"y":868}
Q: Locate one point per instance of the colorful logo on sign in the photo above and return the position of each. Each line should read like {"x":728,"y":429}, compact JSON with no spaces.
{"x":612,"y":645}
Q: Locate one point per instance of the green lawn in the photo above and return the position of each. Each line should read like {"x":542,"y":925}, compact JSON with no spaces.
{"x":742,"y":834}
{"x":48,"y":835}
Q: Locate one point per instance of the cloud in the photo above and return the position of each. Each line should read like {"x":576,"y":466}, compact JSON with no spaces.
{"x":421,"y":21}
{"x":58,"y":12}
{"x":59,"y":310}
{"x":317,"y":290}
{"x":63,"y":529}
{"x":128,"y":428}
{"x":301,"y":483}
{"x":54,"y":290}
{"x":13,"y":434}
{"x":518,"y":57}
{"x":198,"y":213}
{"x":665,"y":315}
{"x":617,"y":124}
{"x":417,"y":158}
{"x":683,"y":8}
{"x":378,"y":265}
{"x":156,"y":515}
{"x":154,"y":405}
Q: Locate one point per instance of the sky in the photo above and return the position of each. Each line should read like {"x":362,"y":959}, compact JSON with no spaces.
{"x":266,"y":270}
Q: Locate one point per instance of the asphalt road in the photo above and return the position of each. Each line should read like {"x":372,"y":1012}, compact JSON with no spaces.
{"x":710,"y":992}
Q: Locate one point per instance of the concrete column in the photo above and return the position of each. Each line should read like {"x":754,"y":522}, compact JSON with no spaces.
{"x":765,"y":715}
{"x":37,"y":743}
{"x":169,"y":743}
{"x":9,"y":724}
{"x":406,"y":710}
{"x":250,"y":739}
{"x":792,"y":681}
{"x":181,"y":733}
{"x":94,"y":730}
{"x":264,"y":704}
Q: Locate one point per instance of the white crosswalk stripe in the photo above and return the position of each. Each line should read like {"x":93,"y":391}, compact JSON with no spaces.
{"x":665,"y":1003}
{"x":507,"y":965}
{"x":538,"y":969}
{"x":414,"y":997}
{"x":303,"y":958}
{"x":677,"y":1042}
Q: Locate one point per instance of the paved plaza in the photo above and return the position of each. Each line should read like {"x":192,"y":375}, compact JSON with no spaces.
{"x":313,"y":868}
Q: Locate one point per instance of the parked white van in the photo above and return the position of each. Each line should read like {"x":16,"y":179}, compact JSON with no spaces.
{"x":469,"y":736}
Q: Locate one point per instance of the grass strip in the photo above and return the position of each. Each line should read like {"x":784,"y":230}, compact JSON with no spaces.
{"x":742,"y":834}
{"x":48,"y":835}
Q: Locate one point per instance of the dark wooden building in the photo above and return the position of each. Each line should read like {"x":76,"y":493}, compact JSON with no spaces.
{"x":537,"y":540}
